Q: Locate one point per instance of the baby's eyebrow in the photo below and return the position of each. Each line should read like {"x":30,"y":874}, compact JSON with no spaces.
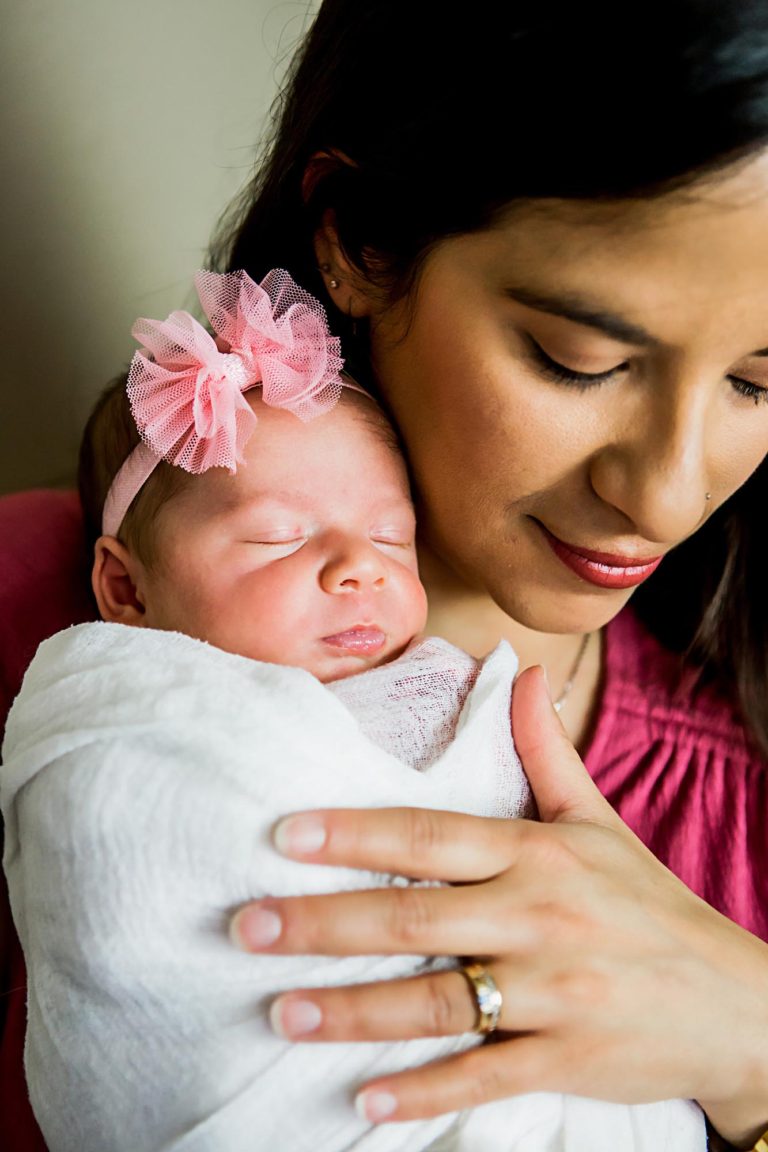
{"x":240,"y":503}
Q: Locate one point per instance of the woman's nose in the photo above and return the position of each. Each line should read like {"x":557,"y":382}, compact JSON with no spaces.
{"x":657,"y":474}
{"x":353,"y":564}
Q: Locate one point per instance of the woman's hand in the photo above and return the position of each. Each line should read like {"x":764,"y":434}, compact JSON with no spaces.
{"x":618,"y":982}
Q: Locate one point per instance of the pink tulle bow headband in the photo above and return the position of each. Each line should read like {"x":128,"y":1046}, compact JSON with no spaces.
{"x":186,"y":387}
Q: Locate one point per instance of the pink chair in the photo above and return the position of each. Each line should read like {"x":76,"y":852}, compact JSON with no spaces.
{"x":44,"y":587}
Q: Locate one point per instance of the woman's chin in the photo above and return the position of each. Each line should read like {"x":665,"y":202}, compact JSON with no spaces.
{"x":567,"y":610}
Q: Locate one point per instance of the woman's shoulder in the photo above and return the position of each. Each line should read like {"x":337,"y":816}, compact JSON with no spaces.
{"x":673,"y":757}
{"x":647,"y":687}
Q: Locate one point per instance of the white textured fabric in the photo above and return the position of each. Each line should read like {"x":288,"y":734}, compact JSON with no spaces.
{"x":142,"y":774}
{"x":550,"y":1122}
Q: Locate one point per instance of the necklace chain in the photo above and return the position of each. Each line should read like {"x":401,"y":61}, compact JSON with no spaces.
{"x":557,"y":704}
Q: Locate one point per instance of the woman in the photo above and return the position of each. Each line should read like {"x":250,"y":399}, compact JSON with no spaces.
{"x":544,"y":229}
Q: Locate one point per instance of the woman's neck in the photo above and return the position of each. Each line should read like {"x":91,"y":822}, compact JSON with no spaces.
{"x":471,"y":620}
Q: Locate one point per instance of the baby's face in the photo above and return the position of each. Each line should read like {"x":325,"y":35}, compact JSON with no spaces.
{"x":305,"y":557}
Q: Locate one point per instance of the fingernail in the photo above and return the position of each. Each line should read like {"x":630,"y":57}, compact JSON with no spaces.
{"x":300,"y":835}
{"x":254,"y":928}
{"x":375,"y":1105}
{"x":291,"y":1018}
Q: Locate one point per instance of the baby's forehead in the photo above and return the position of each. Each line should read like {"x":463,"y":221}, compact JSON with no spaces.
{"x":348,"y":454}
{"x":352,"y":401}
{"x":356,"y":416}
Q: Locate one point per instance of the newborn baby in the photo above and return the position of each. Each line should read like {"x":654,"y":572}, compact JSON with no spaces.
{"x":258,"y":541}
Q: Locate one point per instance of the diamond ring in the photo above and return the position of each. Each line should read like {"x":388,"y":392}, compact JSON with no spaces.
{"x":487,"y":994}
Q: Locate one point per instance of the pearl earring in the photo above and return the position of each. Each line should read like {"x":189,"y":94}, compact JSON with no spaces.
{"x":333,"y":282}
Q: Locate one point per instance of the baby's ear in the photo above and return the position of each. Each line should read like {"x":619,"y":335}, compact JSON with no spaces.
{"x":115,"y":579}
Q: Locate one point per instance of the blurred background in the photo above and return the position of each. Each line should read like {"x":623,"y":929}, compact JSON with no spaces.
{"x":126,"y":129}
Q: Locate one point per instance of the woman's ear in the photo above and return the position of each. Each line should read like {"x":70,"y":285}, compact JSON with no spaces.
{"x":116,"y":579}
{"x":349,"y":289}
{"x":320,"y":165}
{"x":346,"y":285}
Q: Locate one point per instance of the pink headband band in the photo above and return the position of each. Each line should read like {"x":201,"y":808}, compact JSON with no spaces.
{"x":186,"y":387}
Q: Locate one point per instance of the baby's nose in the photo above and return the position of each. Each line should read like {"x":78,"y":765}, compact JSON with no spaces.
{"x":353,"y":566}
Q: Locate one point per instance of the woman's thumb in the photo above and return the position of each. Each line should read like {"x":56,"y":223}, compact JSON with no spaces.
{"x":563,"y":788}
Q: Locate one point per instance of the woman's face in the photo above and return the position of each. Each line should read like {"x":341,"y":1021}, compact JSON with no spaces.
{"x":574,"y":383}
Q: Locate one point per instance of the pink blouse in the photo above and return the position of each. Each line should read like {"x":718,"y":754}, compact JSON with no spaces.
{"x":678,"y":767}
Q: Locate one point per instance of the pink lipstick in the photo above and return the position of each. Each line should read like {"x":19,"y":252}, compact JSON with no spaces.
{"x":604,"y":569}
{"x":363,"y":639}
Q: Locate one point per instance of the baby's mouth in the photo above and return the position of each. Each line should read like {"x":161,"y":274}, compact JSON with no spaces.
{"x":362,"y":639}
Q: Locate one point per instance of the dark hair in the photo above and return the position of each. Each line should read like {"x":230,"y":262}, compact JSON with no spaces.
{"x":435,"y":118}
{"x":110,"y":435}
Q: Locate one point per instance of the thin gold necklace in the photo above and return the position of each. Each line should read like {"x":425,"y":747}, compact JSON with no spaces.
{"x":557,"y":704}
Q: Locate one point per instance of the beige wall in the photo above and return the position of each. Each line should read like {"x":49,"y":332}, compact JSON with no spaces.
{"x":126,"y":126}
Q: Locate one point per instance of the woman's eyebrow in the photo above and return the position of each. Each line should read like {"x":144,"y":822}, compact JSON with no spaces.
{"x":581,"y":311}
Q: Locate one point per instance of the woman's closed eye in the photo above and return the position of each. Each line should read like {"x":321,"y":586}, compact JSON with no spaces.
{"x":554,"y":370}
{"x":749,"y":389}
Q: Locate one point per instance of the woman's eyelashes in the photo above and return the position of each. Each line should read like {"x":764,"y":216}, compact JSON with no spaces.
{"x":552,"y":369}
{"x":754,"y":392}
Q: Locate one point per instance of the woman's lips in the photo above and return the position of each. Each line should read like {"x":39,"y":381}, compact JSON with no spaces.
{"x":362,"y":639}
{"x":601,"y":568}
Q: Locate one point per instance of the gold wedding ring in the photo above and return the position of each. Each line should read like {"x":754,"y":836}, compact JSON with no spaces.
{"x":487,"y":994}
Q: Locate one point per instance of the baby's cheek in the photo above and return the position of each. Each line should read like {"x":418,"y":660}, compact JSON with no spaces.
{"x":417,"y":598}
{"x":279,"y":619}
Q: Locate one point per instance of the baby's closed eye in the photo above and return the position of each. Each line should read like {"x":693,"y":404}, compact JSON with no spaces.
{"x":277,"y":539}
{"x":394,"y":537}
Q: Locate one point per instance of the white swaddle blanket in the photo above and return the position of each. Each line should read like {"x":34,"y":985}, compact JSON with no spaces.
{"x":142,"y":774}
